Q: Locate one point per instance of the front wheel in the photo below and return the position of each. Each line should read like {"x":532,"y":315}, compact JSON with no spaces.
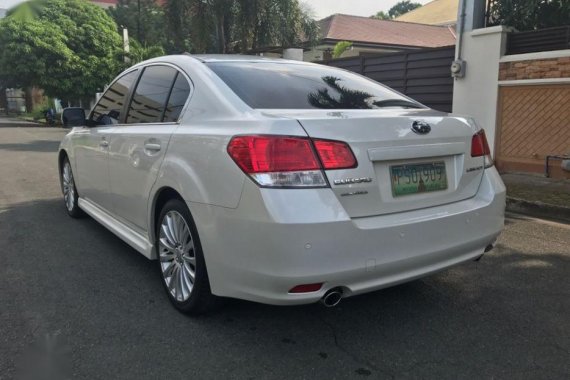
{"x":181,"y":261}
{"x":69,"y":190}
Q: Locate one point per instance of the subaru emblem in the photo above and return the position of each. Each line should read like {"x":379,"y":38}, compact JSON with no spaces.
{"x":421,"y":127}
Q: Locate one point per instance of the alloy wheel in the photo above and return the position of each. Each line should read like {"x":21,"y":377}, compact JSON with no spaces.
{"x":177,"y":256}
{"x":68,"y":187}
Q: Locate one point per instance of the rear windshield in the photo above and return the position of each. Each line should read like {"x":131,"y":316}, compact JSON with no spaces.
{"x":273,"y":85}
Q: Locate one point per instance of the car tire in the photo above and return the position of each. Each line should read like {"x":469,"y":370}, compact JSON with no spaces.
{"x":181,"y":261}
{"x":69,"y":190}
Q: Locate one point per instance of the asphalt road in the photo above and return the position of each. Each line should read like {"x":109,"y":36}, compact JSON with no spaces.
{"x":77,"y":302}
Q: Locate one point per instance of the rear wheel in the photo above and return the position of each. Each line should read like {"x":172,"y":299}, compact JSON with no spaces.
{"x":69,"y":190}
{"x":181,"y":261}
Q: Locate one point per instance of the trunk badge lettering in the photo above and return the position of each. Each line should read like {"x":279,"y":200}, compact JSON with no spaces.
{"x":350,"y":181}
{"x":474,"y":169}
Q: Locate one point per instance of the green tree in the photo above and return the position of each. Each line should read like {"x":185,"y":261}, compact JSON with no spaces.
{"x":144,"y":20}
{"x":340,"y":48}
{"x":66,"y":47}
{"x":402,"y":7}
{"x":531,"y":14}
{"x":381,"y":15}
{"x":398,"y":9}
{"x":139,"y":53}
{"x":226,"y":26}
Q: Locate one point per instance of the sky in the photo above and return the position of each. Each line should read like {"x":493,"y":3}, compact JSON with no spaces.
{"x":6,"y":4}
{"x":324,"y":8}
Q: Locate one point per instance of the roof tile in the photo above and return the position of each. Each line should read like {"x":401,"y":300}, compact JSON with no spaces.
{"x":368,"y":30}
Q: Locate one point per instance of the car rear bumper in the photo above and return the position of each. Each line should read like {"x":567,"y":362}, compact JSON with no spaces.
{"x":277,"y":239}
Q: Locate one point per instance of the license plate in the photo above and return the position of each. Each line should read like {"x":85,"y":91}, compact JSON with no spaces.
{"x":418,"y":178}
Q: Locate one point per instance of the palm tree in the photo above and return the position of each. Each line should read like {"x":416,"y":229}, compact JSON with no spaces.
{"x":223,"y":26}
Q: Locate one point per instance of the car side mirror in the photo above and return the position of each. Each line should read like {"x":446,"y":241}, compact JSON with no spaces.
{"x":73,"y":117}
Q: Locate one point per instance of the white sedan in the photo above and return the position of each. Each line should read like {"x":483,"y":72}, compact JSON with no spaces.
{"x":277,"y":181}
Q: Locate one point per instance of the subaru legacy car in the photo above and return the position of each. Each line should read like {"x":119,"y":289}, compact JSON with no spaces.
{"x":278,"y":181}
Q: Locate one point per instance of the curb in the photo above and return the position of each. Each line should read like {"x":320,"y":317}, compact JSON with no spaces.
{"x":538,"y":209}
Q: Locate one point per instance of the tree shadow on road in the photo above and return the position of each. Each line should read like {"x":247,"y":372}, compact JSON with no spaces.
{"x":32,"y":146}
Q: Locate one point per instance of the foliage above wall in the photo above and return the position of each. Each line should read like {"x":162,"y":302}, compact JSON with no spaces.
{"x":530,"y":14}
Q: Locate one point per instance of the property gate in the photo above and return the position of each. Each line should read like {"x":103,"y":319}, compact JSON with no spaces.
{"x":423,"y":75}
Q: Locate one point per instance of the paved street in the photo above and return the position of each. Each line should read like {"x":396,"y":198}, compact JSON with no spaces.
{"x":75,"y":300}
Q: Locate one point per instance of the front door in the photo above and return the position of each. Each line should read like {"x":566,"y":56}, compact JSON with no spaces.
{"x":91,"y":144}
{"x":137,"y":147}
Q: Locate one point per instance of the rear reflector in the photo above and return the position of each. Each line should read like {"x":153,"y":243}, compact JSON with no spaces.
{"x":306,"y":288}
{"x":335,"y":154}
{"x":480,"y":147}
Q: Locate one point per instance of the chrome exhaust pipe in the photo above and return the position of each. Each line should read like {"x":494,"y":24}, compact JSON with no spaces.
{"x":332,"y":297}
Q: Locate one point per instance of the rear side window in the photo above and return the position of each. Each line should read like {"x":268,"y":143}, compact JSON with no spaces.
{"x":274,"y":85}
{"x":179,"y":95}
{"x":109,"y":107}
{"x":151,"y":94}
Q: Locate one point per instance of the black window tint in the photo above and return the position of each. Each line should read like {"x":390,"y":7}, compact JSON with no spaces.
{"x":151,"y":94}
{"x":108,"y":109}
{"x":178,"y":97}
{"x":297,"y":86}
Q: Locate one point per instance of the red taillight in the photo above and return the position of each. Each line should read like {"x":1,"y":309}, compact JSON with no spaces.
{"x":480,"y":148}
{"x":335,"y":154}
{"x":479,"y":145}
{"x":306,"y":288}
{"x":284,"y":161}
{"x":265,"y":154}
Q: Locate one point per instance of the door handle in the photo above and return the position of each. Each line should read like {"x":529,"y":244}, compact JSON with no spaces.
{"x":152,"y":146}
{"x":104,"y":144}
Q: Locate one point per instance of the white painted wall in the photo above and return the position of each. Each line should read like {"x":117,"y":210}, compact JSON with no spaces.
{"x":294,"y":54}
{"x":477,"y":93}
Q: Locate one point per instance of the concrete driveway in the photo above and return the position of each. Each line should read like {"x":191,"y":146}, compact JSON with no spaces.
{"x":75,"y":301}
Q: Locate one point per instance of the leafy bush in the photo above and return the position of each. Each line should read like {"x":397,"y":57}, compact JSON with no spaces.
{"x":530,"y":14}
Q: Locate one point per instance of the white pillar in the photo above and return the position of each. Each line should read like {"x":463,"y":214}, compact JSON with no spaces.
{"x":126,"y":46}
{"x":476,"y":94}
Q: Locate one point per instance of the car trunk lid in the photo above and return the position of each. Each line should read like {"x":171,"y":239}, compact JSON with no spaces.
{"x":398,"y":169}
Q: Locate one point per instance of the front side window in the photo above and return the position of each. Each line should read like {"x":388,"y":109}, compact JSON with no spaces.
{"x":272,"y":85}
{"x":108,"y":109}
{"x":151,"y":95}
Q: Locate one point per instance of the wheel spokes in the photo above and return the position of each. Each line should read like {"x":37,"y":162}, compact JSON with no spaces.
{"x":68,"y":187}
{"x":177,"y":256}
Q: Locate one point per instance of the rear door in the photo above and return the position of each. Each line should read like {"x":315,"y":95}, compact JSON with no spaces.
{"x":138,"y":146}
{"x":398,"y":168}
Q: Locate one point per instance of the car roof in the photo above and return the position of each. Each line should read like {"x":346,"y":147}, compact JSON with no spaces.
{"x":236,"y":57}
{"x":179,"y":59}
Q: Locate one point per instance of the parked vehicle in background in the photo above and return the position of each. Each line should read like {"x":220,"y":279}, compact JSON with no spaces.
{"x":279,"y":182}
